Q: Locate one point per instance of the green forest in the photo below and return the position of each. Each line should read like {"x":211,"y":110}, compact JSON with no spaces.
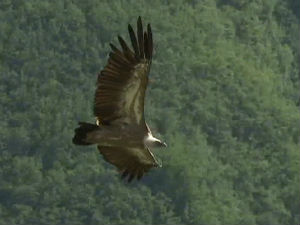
{"x":223,"y":93}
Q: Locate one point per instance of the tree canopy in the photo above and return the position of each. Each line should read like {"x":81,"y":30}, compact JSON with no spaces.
{"x":224,"y":94}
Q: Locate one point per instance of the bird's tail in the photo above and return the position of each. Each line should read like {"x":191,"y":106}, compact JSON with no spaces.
{"x":82,"y":131}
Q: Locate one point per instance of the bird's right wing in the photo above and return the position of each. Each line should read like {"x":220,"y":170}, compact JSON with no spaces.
{"x":132,"y":162}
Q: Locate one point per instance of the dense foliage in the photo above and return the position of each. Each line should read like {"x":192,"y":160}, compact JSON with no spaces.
{"x":223,"y":94}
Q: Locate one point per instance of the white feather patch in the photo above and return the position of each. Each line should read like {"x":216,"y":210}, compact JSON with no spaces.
{"x":133,"y":94}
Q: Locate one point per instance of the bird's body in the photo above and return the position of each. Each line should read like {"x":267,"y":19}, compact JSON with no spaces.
{"x":121,"y":133}
{"x":116,"y":135}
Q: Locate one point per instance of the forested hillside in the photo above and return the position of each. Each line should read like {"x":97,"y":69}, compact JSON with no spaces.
{"x":223,"y":93}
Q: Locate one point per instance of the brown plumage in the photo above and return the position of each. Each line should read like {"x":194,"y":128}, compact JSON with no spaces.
{"x":123,"y":137}
{"x":118,"y":75}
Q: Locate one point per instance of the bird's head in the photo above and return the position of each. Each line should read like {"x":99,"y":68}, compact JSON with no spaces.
{"x":153,"y":142}
{"x":160,"y":144}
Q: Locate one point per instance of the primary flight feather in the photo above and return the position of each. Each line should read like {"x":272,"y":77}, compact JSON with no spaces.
{"x":121,"y":133}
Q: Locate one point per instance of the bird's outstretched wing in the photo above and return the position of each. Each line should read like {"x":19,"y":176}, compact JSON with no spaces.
{"x":122,"y":83}
{"x":132,"y":162}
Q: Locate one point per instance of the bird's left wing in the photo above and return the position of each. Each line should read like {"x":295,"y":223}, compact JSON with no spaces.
{"x":122,"y":83}
{"x":132,"y":162}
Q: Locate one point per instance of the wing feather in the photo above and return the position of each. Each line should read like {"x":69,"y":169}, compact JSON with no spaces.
{"x":132,"y":162}
{"x":126,"y":50}
{"x":133,"y":41}
{"x":140,"y":36}
{"x":146,"y":46}
{"x":150,"y":42}
{"x":122,"y":83}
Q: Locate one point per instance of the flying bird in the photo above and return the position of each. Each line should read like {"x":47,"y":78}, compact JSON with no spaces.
{"x":123,"y":137}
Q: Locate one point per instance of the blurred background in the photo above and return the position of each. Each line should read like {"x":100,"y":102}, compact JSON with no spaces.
{"x":224,"y":95}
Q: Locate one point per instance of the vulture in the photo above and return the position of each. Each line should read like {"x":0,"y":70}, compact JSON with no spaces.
{"x":121,"y":134}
